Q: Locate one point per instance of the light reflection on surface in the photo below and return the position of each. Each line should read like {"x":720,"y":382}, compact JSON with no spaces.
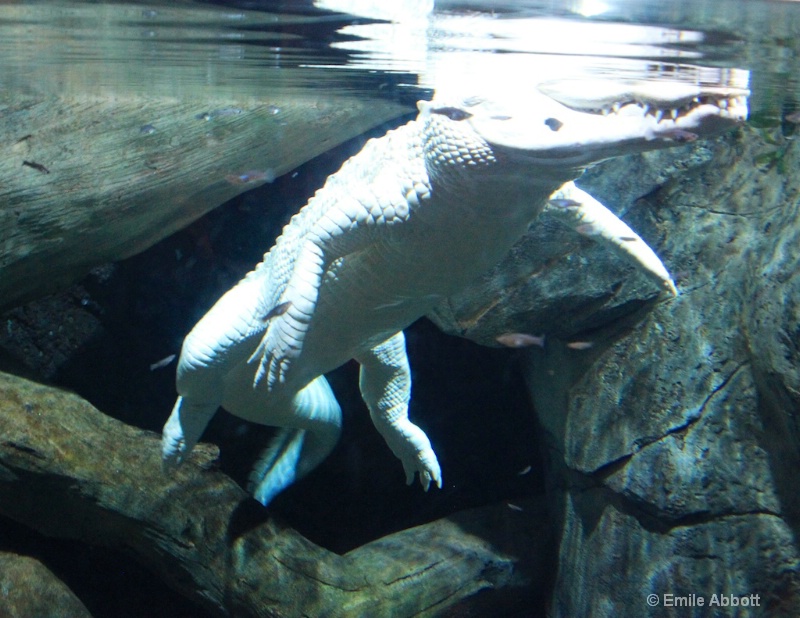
{"x":175,"y":49}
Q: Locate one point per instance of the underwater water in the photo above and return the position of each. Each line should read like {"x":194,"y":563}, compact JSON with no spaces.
{"x":607,"y":448}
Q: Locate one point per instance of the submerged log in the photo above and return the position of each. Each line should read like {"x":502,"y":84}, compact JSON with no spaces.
{"x":111,"y":140}
{"x":68,"y":470}
{"x":91,"y":179}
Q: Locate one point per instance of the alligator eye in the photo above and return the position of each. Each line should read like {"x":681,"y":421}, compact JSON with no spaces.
{"x":453,"y":113}
{"x":554,"y":123}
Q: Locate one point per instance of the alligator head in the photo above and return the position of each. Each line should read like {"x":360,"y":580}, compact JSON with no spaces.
{"x":569,"y":125}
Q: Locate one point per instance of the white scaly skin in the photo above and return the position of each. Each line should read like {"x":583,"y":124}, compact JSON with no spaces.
{"x":412,"y":218}
{"x":583,"y":213}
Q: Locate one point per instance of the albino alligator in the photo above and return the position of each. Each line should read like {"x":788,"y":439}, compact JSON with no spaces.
{"x":412,"y":218}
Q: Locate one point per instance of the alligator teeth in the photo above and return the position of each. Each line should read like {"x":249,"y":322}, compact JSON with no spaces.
{"x":648,"y":109}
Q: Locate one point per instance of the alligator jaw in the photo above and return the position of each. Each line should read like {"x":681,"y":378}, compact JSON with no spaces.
{"x":573,"y":124}
{"x":657,"y":98}
{"x":667,"y":110}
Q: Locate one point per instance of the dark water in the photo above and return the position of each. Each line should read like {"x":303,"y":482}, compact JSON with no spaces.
{"x":258,"y":48}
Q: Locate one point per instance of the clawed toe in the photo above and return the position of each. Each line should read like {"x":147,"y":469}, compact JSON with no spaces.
{"x":425,"y":480}
{"x":428,"y":472}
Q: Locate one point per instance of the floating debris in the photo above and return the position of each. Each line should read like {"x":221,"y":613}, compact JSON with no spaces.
{"x":103,"y":272}
{"x":219,"y":113}
{"x":520,"y":340}
{"x":162,"y":363}
{"x":37,"y":166}
{"x":580,"y":345}
{"x":250,"y":177}
{"x":277,"y":310}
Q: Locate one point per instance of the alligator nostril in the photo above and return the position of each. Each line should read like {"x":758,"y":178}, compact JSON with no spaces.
{"x":554,"y":123}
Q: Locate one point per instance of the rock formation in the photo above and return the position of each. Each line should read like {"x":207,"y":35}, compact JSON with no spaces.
{"x":28,"y":588}
{"x":673,"y":440}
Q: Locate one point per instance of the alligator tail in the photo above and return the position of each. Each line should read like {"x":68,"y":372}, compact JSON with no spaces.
{"x":295,"y":451}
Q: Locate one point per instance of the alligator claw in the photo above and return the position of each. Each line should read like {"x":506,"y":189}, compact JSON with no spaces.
{"x":424,"y":463}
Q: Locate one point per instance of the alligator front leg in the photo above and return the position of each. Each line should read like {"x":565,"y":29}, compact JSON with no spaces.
{"x":348,"y":224}
{"x":583,"y":213}
{"x":385,"y":383}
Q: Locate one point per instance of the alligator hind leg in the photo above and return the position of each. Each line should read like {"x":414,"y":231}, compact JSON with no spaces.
{"x":183,"y":430}
{"x":385,"y":383}
{"x":224,"y":337}
{"x":315,"y":420}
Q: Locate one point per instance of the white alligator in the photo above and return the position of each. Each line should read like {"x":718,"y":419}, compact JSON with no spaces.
{"x":414,"y":217}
